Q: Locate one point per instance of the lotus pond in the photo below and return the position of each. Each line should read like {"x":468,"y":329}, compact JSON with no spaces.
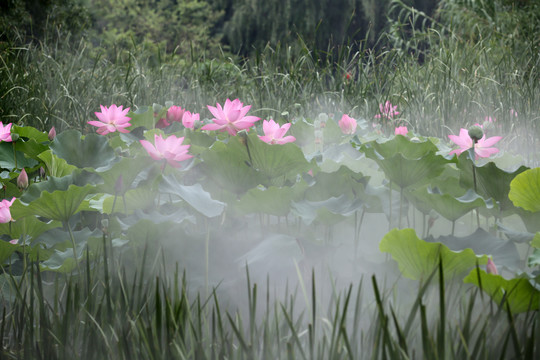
{"x":170,"y":235}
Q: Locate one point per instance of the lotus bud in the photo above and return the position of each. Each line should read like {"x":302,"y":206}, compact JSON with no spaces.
{"x":14,"y":137}
{"x":490,"y":267}
{"x":347,"y":124}
{"x":476,"y":133}
{"x":52,"y":134}
{"x":22,"y":180}
{"x":175,"y":114}
{"x":42,"y":173}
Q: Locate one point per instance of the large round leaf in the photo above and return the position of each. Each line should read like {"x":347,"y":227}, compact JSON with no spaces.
{"x":92,"y":150}
{"x":525,"y":190}
{"x":9,"y":158}
{"x":417,"y":259}
{"x":56,"y":166}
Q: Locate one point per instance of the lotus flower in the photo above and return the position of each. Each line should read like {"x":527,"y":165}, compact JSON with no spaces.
{"x":5,"y":132}
{"x":112,"y":118}
{"x":401,"y":130}
{"x":175,"y":114}
{"x":5,"y":215}
{"x":490,"y":267}
{"x":231,"y":117}
{"x":482,"y":148}
{"x":170,"y":149}
{"x":52,"y":134}
{"x":387,"y":111}
{"x":274,"y":134}
{"x":189,"y":120}
{"x":347,"y":124}
{"x":22,"y":180}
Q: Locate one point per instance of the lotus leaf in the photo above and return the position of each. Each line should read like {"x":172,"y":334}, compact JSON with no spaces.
{"x":518,"y":293}
{"x":525,"y":190}
{"x":417,"y":258}
{"x":92,"y":150}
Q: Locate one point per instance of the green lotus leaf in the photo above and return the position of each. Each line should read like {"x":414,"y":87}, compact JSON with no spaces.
{"x":194,"y":195}
{"x":7,"y":249}
{"x":406,"y":163}
{"x":525,"y":190}
{"x":146,"y":230}
{"x":504,"y":252}
{"x":534,"y":259}
{"x":140,"y":198}
{"x":143,"y":116}
{"x":30,"y":132}
{"x":450,"y":207}
{"x":329,"y":211}
{"x":27,"y":226}
{"x":276,"y":163}
{"x":92,"y":150}
{"x":491,"y":181}
{"x":303,"y":131}
{"x":536,"y":240}
{"x":7,"y":158}
{"x":341,"y":182}
{"x":273,"y":200}
{"x":417,"y":258}
{"x":128,"y":169}
{"x":518,"y":293}
{"x":56,"y":167}
{"x":30,"y":148}
{"x":227,"y":165}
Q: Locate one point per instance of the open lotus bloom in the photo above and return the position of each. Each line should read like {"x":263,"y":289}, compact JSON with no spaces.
{"x":347,"y":124}
{"x":5,"y":214}
{"x":112,"y":119}
{"x":170,"y":149}
{"x":387,"y":111}
{"x":5,"y":132}
{"x":231,"y":117}
{"x":482,"y":148}
{"x":275,"y":134}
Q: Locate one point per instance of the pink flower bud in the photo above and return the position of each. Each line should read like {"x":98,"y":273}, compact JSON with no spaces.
{"x":22,"y":180}
{"x":491,"y":268}
{"x":347,"y":124}
{"x":52,"y":134}
{"x":401,"y":130}
{"x":189,"y":120}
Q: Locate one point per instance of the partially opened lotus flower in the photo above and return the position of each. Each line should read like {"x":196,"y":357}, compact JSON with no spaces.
{"x":5,"y":214}
{"x":175,"y":114}
{"x":490,"y":267}
{"x":170,"y":149}
{"x":5,"y":132}
{"x":482,"y":148}
{"x":275,"y":134}
{"x":189,"y":120}
{"x":347,"y":124}
{"x":112,"y":119}
{"x":231,"y":117}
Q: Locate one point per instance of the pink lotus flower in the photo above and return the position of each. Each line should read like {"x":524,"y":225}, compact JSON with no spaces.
{"x":112,"y":118}
{"x":170,"y":149}
{"x":5,"y":132}
{"x":387,"y":111}
{"x":490,"y":267}
{"x":175,"y":114}
{"x":189,"y":120}
{"x":274,"y":134}
{"x":5,"y":214}
{"x":347,"y":124}
{"x":481,"y":149}
{"x":231,"y":117}
{"x":401,"y":130}
{"x":14,"y":241}
{"x":162,"y":123}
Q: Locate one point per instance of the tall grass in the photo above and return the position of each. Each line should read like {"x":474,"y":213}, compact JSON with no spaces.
{"x":110,"y":312}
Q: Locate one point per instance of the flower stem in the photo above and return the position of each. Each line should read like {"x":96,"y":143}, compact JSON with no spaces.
{"x":74,"y":247}
{"x":14,"y":155}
